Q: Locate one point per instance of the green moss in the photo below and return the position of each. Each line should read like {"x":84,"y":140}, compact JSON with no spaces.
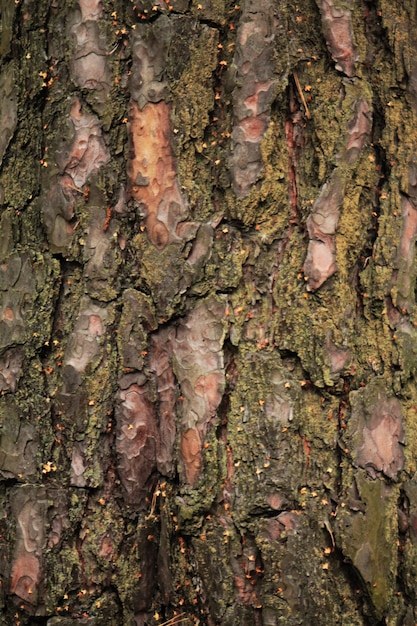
{"x":266,"y":207}
{"x":210,"y":10}
{"x":19,"y":190}
{"x":131,"y":573}
{"x":356,"y":216}
{"x":165,"y":287}
{"x":100,"y":389}
{"x":409,"y":406}
{"x":137,"y":318}
{"x":64,"y":573}
{"x":216,"y":548}
{"x":368,"y":538}
{"x":190,"y":119}
{"x":264,"y":408}
{"x":223,"y":270}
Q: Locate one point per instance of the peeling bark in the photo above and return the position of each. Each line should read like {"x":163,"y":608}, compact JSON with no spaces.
{"x":208,"y":320}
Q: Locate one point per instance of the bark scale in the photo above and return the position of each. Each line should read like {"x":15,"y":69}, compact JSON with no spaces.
{"x":208,"y":341}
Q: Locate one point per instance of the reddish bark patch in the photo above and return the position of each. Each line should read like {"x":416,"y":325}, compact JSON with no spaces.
{"x":191,"y":454}
{"x":338,"y":357}
{"x":152,"y":172}
{"x":87,"y":152}
{"x":253,"y":128}
{"x":380,"y":449}
{"x":8,"y":314}
{"x":107,"y":547}
{"x":275,"y":501}
{"x":253,"y":103}
{"x":78,"y":159}
{"x":83,"y":344}
{"x":25,"y":577}
{"x":320,"y":262}
{"x":90,"y":9}
{"x":207,"y":387}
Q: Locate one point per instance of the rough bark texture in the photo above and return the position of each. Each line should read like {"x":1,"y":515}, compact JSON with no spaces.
{"x":208,"y":320}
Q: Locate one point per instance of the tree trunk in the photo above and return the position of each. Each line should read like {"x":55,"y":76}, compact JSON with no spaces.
{"x":208,"y":323}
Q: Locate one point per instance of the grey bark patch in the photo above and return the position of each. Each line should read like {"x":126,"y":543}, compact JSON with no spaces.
{"x":254,"y":86}
{"x":10,"y":369}
{"x":17,"y":294}
{"x":18,"y":444}
{"x":8,"y":108}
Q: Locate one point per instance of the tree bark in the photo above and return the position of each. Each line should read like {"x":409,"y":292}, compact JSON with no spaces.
{"x":208,"y":344}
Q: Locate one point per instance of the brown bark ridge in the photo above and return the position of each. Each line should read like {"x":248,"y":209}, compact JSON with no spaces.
{"x":208,"y":344}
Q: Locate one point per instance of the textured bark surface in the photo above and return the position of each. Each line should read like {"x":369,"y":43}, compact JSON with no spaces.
{"x":208,"y":320}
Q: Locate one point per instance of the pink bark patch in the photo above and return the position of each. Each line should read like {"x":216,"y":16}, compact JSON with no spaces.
{"x":207,"y":386}
{"x":380,"y":449}
{"x":29,"y":509}
{"x":339,"y":37}
{"x":252,"y":101}
{"x":253,"y":94}
{"x":275,"y":501}
{"x":359,"y":129}
{"x":253,"y":128}
{"x":79,"y":159}
{"x":10,"y":369}
{"x":199,"y":368}
{"x":136,"y":443}
{"x":87,"y":152}
{"x":375,"y":433}
{"x":95,"y":326}
{"x":338,"y":357}
{"x":78,"y":466}
{"x":320,"y":263}
{"x":90,"y":9}
{"x":106,"y":548}
{"x":83,"y":343}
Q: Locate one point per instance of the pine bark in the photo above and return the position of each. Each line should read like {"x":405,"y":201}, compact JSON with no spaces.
{"x":208,"y":344}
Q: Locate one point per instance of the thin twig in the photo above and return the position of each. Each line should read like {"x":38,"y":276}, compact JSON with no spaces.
{"x":300,"y":91}
{"x":173,"y":620}
{"x":69,"y":186}
{"x":326,"y":524}
{"x":156,"y":493}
